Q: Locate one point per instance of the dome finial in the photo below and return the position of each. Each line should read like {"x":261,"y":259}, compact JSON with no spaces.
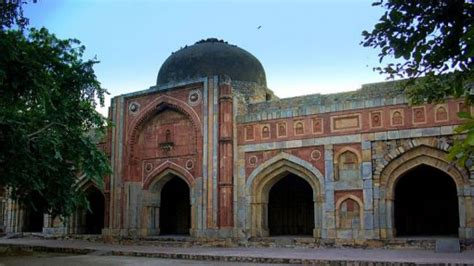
{"x":211,"y":40}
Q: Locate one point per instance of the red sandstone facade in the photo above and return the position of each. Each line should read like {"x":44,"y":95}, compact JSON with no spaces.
{"x":211,"y":152}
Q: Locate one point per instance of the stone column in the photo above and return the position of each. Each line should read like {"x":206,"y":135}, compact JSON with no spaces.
{"x":366,"y":173}
{"x":225,"y":153}
{"x":329,"y":221}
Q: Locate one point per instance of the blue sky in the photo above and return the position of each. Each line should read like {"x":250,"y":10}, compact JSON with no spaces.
{"x":305,"y":47}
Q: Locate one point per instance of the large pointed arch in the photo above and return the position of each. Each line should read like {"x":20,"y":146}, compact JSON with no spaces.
{"x":156,"y":106}
{"x":262,"y":179}
{"x":419,"y":156}
{"x":291,"y":163}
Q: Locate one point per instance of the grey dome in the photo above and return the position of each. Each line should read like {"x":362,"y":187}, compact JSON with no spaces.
{"x":211,"y":57}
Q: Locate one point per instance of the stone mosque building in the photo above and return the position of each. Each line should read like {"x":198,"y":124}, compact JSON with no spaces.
{"x":211,"y":152}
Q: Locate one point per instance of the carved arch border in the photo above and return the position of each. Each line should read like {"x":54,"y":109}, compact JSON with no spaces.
{"x":156,"y":106}
{"x":338,"y":154}
{"x":73,"y":222}
{"x":361,"y":209}
{"x":436,"y":143}
{"x":262,"y":179}
{"x":421,"y":155}
{"x":84,"y":184}
{"x":170,"y":168}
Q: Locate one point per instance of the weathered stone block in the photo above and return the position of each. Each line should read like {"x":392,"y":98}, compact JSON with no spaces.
{"x":329,"y":204}
{"x":366,"y":170}
{"x":433,"y":131}
{"x":344,"y":233}
{"x":368,"y":220}
{"x":380,"y":135}
{"x":393,"y":134}
{"x":447,"y":245}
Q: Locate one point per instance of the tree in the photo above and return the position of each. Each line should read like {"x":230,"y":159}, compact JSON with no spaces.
{"x":48,"y":95}
{"x":433,"y":44}
{"x":11,"y":14}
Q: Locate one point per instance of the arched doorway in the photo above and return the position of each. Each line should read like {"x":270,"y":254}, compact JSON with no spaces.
{"x":175,"y":208}
{"x":267,"y":176}
{"x":426,"y":203}
{"x":94,"y":217}
{"x":33,"y":220}
{"x":290,"y":207}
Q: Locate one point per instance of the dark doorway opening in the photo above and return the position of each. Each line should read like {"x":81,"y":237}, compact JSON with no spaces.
{"x":175,"y":208}
{"x":426,"y":203}
{"x":290,"y":207}
{"x":33,"y":220}
{"x":94,"y":222}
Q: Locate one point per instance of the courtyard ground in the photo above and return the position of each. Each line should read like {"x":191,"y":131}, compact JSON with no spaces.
{"x":52,"y":259}
{"x":98,"y":253}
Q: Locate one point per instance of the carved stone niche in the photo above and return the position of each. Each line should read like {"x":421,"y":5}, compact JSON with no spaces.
{"x":168,"y":144}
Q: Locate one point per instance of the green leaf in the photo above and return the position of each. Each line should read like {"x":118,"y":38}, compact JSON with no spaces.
{"x":464,"y":115}
{"x":470,"y":138}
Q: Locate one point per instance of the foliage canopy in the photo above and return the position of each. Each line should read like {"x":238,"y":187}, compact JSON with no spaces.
{"x":48,"y":96}
{"x":433,"y":42}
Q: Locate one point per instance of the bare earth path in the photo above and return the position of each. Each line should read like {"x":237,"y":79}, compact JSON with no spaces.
{"x":248,"y":255}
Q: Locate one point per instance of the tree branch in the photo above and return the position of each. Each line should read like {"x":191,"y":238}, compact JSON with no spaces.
{"x":44,"y":128}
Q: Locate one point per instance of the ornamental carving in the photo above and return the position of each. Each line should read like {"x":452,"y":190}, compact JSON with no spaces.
{"x":281,"y":130}
{"x":265,"y":132}
{"x":419,"y":115}
{"x":317,"y":125}
{"x":194,"y":97}
{"x":299,"y":128}
{"x":441,"y":114}
{"x":397,"y":118}
{"x":376,"y":119}
{"x":134,"y":107}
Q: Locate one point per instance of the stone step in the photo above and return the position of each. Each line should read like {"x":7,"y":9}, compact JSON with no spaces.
{"x":169,"y":238}
{"x":448,"y":245}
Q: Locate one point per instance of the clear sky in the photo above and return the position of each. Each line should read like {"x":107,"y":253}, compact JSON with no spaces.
{"x":305,"y":47}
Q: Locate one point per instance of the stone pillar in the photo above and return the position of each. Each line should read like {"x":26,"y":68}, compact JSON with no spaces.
{"x":14,"y":217}
{"x":366,"y":173}
{"x":115,"y":204}
{"x":329,"y":221}
{"x":225,"y":153}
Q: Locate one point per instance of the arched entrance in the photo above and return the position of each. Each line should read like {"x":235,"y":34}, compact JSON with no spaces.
{"x":426,"y":203}
{"x":33,"y":220}
{"x":290,"y":207}
{"x":392,"y":178}
{"x":175,"y":209}
{"x":94,"y":217}
{"x":271,"y":185}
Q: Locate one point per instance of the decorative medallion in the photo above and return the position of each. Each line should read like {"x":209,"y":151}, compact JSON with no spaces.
{"x":148,"y":167}
{"x":315,"y":155}
{"x":194,"y":97}
{"x":253,"y":160}
{"x":189,"y":164}
{"x":134,"y":107}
